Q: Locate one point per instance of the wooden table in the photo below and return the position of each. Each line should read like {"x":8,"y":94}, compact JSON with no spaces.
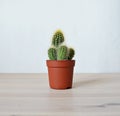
{"x":30,"y":95}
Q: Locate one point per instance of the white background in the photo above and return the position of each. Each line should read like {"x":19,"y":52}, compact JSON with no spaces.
{"x":91,"y":27}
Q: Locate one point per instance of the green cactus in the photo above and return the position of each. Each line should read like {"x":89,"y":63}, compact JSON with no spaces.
{"x":52,"y":54}
{"x":58,"y":38}
{"x":58,"y":51}
{"x":62,"y":53}
{"x":71,"y":53}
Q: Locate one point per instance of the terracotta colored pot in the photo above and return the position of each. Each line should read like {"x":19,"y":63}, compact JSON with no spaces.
{"x":60,"y":73}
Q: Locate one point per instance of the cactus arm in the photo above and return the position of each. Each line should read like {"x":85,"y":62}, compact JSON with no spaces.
{"x":52,"y":54}
{"x":62,"y":53}
{"x":58,"y":38}
{"x":71,"y":53}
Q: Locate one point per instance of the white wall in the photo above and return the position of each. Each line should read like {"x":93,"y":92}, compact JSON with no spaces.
{"x":92,"y":27}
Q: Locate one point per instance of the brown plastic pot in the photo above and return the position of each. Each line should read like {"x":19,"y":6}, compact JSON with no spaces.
{"x":60,"y":73}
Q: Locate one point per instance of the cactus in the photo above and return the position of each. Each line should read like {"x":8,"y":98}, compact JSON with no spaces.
{"x":62,"y":53}
{"x":71,"y":53}
{"x":52,"y":53}
{"x":57,"y":51}
{"x":58,"y":38}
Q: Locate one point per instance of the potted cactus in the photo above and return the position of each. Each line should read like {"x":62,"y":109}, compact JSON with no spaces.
{"x":60,"y":64}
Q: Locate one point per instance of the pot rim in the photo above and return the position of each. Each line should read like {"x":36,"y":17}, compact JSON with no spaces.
{"x":60,"y":60}
{"x":60,"y":63}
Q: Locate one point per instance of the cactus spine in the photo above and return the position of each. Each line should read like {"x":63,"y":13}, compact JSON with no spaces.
{"x":57,"y":51}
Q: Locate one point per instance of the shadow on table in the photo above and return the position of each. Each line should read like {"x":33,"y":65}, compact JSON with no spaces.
{"x":88,"y":82}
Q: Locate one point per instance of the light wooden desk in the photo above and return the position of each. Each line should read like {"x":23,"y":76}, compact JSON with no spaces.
{"x":30,"y":95}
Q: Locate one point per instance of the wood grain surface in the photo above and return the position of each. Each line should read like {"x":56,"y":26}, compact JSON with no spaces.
{"x":30,"y":95}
